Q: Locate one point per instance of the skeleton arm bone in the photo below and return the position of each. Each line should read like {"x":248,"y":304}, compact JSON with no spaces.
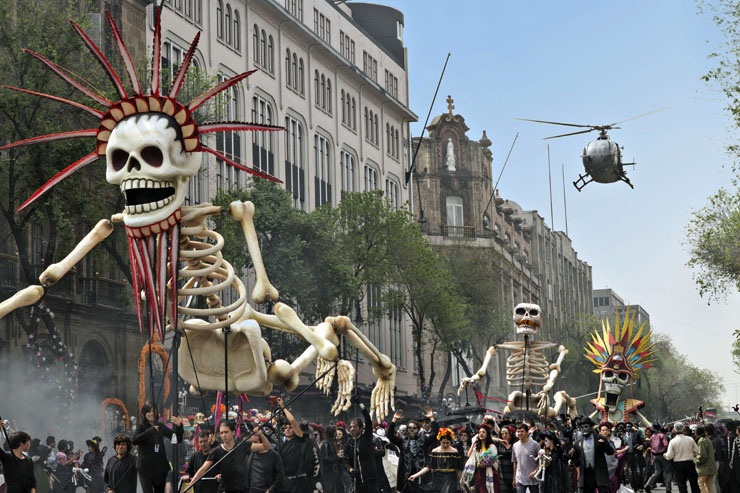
{"x":381,"y":399}
{"x":644,"y":420}
{"x":286,"y":315}
{"x":53,"y":273}
{"x":481,"y":372}
{"x":263,"y":290}
{"x":555,"y":368}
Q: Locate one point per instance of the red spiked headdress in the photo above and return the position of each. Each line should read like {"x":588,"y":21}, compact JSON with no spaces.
{"x":138,"y":102}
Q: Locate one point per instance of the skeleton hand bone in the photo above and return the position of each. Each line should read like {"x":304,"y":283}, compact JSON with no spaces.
{"x":382,"y":398}
{"x":325,"y":368}
{"x":345,"y":381}
{"x":468,"y":381}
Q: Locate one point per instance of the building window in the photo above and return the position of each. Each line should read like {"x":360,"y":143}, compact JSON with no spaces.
{"x":399,"y":31}
{"x":391,"y":84}
{"x":171,"y":59}
{"x":375,"y":322}
{"x":294,"y":169}
{"x":237,"y":32}
{"x":270,"y":55}
{"x":370,"y":66}
{"x":256,"y":45}
{"x":371,"y":178}
{"x":347,"y":47}
{"x":227,"y":24}
{"x":288,"y":70}
{"x":219,"y":19}
{"x":347,"y":162}
{"x":397,"y":341}
{"x":263,"y":155}
{"x":322,"y":180}
{"x":322,"y":92}
{"x":392,"y":192}
{"x":295,"y":8}
{"x":372,"y":134}
{"x":454,"y":211}
{"x":300,"y":77}
{"x":392,"y":141}
{"x":354,"y":114}
{"x":322,"y":26}
{"x":229,"y":143}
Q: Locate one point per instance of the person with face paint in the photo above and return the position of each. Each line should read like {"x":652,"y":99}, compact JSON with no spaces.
{"x":505,"y":460}
{"x":444,"y":462}
{"x":557,"y":475}
{"x":635,"y":461}
{"x":331,"y":462}
{"x":413,"y":456}
{"x":590,"y":459}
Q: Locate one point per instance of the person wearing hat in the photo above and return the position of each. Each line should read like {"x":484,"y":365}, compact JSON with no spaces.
{"x":557,"y":474}
{"x":658,"y":447}
{"x":590,"y":458}
{"x":93,"y":461}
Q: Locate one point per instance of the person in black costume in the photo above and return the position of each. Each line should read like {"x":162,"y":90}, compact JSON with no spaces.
{"x":331,"y":455}
{"x":505,"y":461}
{"x":152,"y":460}
{"x":66,"y":460}
{"x":209,"y":484}
{"x":264,"y":470}
{"x":294,"y":451}
{"x":120,"y":472}
{"x":17,"y":468}
{"x":589,"y":459}
{"x":231,"y":471}
{"x":359,"y":454}
{"x":445,"y":462}
{"x":413,"y":452}
{"x":93,"y":461}
{"x":557,"y":474}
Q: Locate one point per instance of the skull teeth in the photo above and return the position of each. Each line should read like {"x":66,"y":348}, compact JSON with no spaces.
{"x":146,"y":195}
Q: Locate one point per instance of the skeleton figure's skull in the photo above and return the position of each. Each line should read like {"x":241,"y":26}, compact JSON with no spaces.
{"x":615,"y":376}
{"x":146,"y":158}
{"x":527,"y":318}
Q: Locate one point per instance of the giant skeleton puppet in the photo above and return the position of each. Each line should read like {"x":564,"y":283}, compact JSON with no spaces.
{"x":619,"y":358}
{"x":153,"y":148}
{"x":527,"y":368}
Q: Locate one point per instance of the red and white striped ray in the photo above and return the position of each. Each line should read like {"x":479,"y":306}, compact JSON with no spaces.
{"x":127,"y":62}
{"x":156,"y":52}
{"x":144,"y":260}
{"x":239,"y":166}
{"x":74,"y":134}
{"x":174,"y":270}
{"x":92,"y":111}
{"x":100,"y":57}
{"x":69,"y":80}
{"x":90,"y":158}
{"x":237,"y":126}
{"x":195,"y":103}
{"x":182,"y":71}
{"x":162,"y":255}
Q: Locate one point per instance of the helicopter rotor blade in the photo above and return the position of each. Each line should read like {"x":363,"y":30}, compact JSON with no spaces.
{"x":573,"y":133}
{"x":554,"y":123}
{"x":639,"y":116}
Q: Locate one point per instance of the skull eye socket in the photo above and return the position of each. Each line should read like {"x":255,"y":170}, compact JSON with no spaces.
{"x":520,"y":311}
{"x":622,"y":376}
{"x":153,"y":156}
{"x":534,"y":312}
{"x":119,"y":159}
{"x":608,"y":374}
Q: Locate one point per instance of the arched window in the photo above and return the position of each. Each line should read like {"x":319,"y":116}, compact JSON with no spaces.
{"x":237,"y":32}
{"x":300,"y":76}
{"x":344,"y":107}
{"x":95,"y":369}
{"x":294,"y":67}
{"x":227,"y":24}
{"x":354,"y":114}
{"x":377,"y":133}
{"x":256,"y":44}
{"x":294,"y":159}
{"x":367,"y":126}
{"x":263,"y":154}
{"x":323,"y":91}
{"x":317,"y":88}
{"x":454,"y":210}
{"x":328,"y":95}
{"x":271,"y":55}
{"x":388,"y":138}
{"x":322,"y":180}
{"x":263,"y":51}
{"x":288,"y":72}
{"x":220,"y":19}
{"x":398,"y":145}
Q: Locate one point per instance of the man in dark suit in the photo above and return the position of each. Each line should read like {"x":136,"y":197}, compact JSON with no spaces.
{"x":590,"y":460}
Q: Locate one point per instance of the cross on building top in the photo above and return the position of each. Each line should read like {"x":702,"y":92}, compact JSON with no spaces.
{"x":450,"y":106}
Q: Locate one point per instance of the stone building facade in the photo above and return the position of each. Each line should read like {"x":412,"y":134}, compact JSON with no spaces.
{"x":454,"y":199}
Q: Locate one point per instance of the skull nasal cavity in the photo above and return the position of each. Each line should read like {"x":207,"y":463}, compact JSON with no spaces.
{"x":133,"y":164}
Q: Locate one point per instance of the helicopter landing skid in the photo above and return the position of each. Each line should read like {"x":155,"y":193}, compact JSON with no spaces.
{"x":582,"y":181}
{"x":627,"y":181}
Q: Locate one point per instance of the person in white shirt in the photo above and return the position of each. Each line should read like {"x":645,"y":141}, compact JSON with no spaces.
{"x":682,"y":450}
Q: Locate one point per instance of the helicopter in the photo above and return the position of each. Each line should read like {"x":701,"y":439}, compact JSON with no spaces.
{"x":602,"y":158}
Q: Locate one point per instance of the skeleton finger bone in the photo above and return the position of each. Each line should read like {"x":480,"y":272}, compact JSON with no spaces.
{"x":25,"y":297}
{"x":263,"y":290}
{"x":56,"y":271}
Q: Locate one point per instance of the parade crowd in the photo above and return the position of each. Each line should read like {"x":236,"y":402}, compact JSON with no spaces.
{"x":281,"y":455}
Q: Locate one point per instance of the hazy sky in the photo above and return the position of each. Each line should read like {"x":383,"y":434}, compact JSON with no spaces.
{"x":595,"y":63}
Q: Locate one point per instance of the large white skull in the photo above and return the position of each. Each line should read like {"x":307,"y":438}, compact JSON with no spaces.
{"x":527,"y":318}
{"x":146,"y":158}
{"x":615,"y":376}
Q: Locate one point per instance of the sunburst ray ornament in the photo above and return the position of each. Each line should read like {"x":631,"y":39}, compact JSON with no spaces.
{"x":137,"y":104}
{"x":152,"y":146}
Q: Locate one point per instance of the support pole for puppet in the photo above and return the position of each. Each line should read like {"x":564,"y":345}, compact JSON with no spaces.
{"x":226,"y":330}
{"x":526,"y":392}
{"x":175,"y":398}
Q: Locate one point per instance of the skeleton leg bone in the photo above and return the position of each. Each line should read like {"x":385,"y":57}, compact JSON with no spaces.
{"x":25,"y":297}
{"x":288,"y":316}
{"x":263,"y":290}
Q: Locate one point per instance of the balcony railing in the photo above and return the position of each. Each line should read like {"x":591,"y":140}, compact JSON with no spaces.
{"x":100,"y":291}
{"x":8,"y":271}
{"x":458,"y":231}
{"x":65,"y":287}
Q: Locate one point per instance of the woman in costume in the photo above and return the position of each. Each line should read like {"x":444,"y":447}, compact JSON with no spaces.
{"x":93,"y":461}
{"x":557,"y":474}
{"x":152,"y":462}
{"x":331,"y":462}
{"x":482,"y":463}
{"x":505,"y":461}
{"x":445,"y":462}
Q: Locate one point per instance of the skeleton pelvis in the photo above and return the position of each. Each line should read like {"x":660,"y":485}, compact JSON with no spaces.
{"x":518,"y":400}
{"x":247,"y":352}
